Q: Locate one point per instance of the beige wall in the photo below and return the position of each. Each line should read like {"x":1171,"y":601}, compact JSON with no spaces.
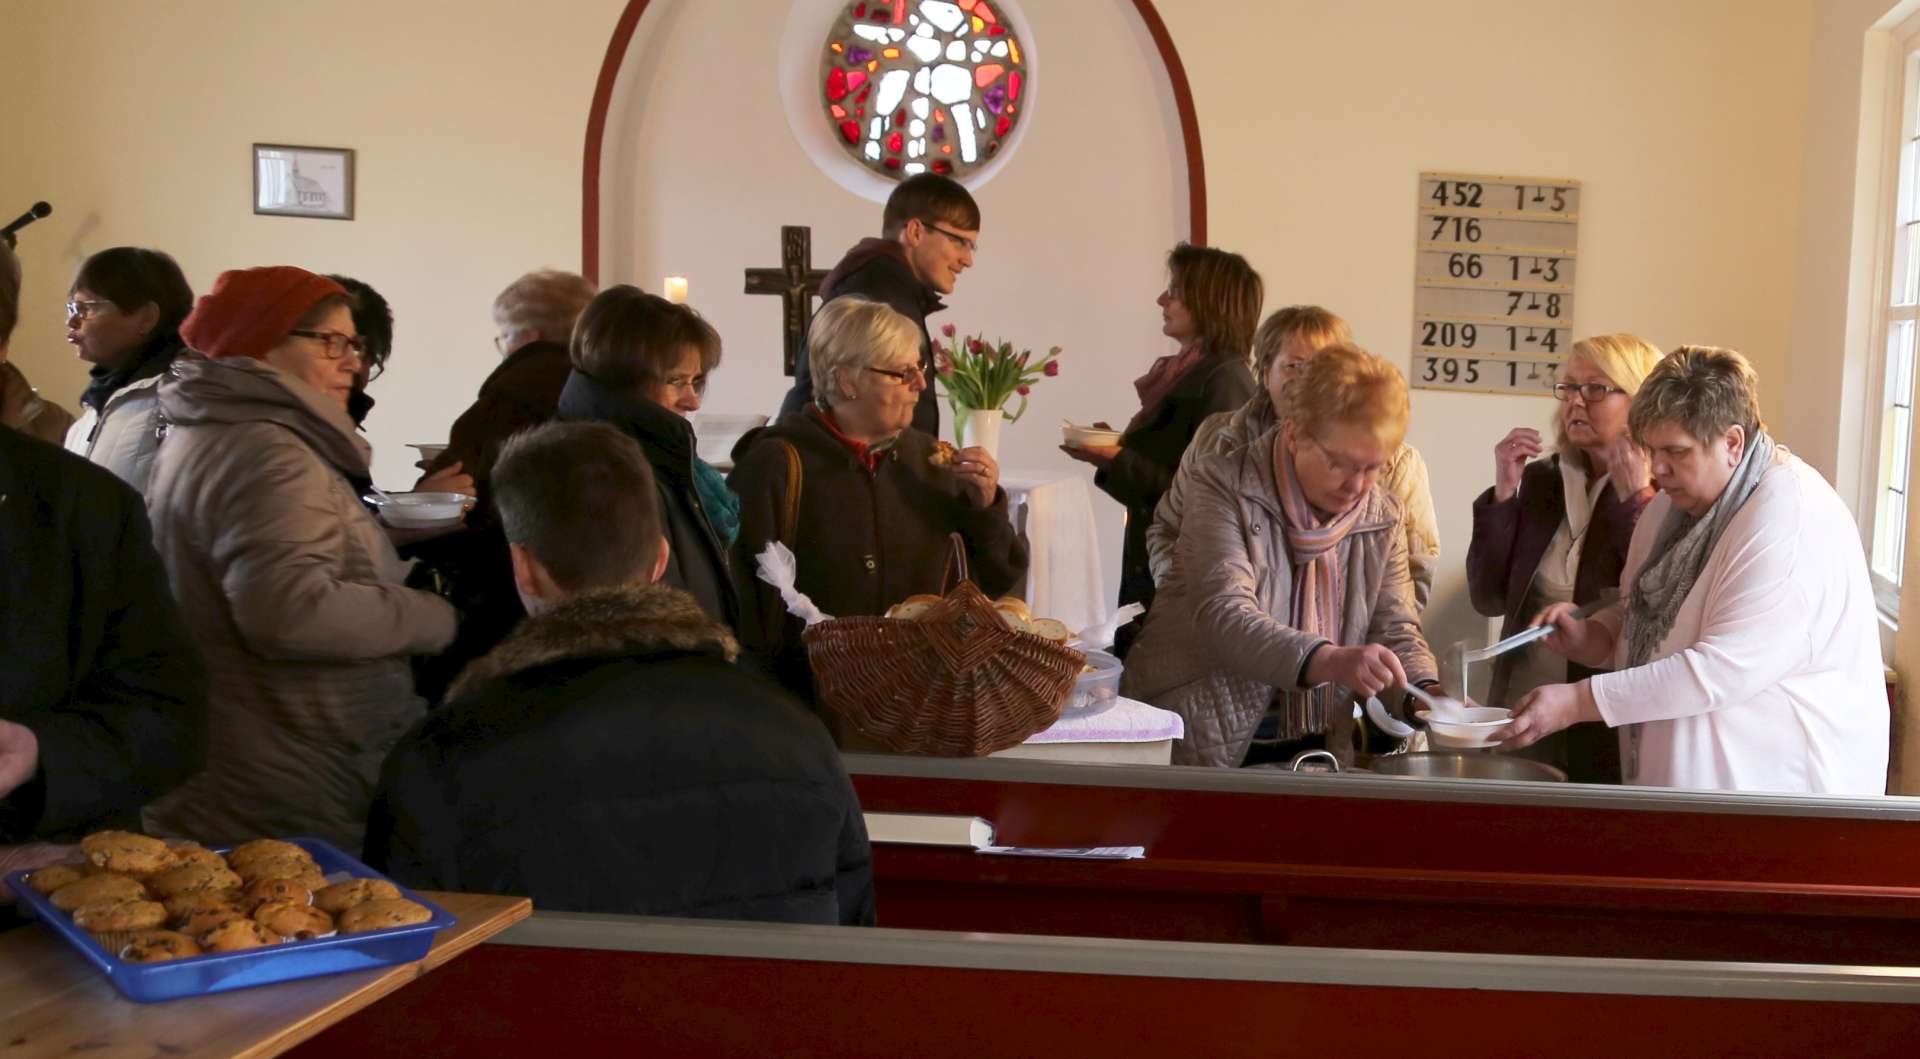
{"x":1684,"y":120}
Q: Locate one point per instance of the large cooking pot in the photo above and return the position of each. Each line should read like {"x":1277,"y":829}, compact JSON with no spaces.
{"x":1478,"y":765}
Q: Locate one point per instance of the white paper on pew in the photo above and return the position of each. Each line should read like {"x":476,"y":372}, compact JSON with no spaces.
{"x":1090,"y":853}
{"x":1100,"y":637}
{"x":780,"y":569}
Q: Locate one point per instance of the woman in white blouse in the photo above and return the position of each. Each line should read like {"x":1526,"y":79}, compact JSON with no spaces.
{"x":1745,"y":641}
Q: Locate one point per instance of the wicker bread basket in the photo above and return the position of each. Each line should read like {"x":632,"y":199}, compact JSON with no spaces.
{"x":956,"y":682}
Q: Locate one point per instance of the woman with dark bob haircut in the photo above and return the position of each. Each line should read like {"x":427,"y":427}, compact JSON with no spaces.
{"x":1210,"y":307}
{"x":123,"y":317}
{"x":640,"y":362}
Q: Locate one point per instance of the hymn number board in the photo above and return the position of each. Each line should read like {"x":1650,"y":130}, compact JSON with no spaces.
{"x":1493,"y":282}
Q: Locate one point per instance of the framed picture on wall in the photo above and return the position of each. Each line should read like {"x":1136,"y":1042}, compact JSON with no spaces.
{"x":290,"y":181}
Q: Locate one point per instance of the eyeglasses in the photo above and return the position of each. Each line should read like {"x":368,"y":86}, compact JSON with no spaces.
{"x":909,"y":377}
{"x":1342,"y":467}
{"x":1590,"y":392}
{"x":85,"y":309}
{"x":972,"y":247}
{"x":686,"y":383}
{"x":335,"y":344}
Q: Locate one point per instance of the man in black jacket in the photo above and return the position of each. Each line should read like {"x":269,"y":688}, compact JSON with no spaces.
{"x":102,"y":695}
{"x":927,"y":235}
{"x":610,"y":756}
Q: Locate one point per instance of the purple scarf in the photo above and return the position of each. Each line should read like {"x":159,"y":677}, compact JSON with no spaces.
{"x":1319,"y":586}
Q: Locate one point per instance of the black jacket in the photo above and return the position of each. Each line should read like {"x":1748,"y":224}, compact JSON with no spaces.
{"x":93,"y":655}
{"x":610,"y":757}
{"x":1150,"y":454}
{"x":863,"y":539}
{"x":696,"y":558}
{"x":877,"y":269}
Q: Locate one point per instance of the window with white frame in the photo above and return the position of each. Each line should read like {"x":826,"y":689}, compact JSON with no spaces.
{"x":1899,"y":316}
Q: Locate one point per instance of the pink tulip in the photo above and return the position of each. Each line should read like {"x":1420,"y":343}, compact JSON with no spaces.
{"x":974,"y":346}
{"x":948,"y":330}
{"x":1052,"y":369}
{"x":1023,"y":389}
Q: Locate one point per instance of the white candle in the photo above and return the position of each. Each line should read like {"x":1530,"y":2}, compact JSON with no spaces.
{"x":676,"y":289}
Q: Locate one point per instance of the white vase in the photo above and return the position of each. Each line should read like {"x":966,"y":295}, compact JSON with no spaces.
{"x":980,"y":427}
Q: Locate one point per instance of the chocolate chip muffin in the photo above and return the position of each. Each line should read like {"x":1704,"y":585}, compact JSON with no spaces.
{"x":97,"y":888}
{"x":341,"y":896}
{"x":103,"y":916}
{"x":127,"y":852}
{"x":382,"y":913}
{"x":158,"y":946}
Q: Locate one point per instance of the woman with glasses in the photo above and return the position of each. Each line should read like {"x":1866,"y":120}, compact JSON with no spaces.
{"x":867,"y":503}
{"x":1210,"y":307}
{"x":1283,"y":345}
{"x":1746,"y":648}
{"x":123,"y":318}
{"x":1289,"y":592}
{"x":641,"y":363}
{"x":292,"y":591}
{"x":1555,"y":530}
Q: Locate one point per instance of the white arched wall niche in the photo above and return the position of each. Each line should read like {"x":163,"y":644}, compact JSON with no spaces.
{"x":700,"y":168}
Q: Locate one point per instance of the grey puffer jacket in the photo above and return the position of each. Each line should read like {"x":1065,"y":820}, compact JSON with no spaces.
{"x":1217,"y":644}
{"x":1405,"y":479}
{"x":293,"y":593}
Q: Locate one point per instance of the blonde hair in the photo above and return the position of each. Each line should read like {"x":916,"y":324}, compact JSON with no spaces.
{"x":850,"y":334}
{"x":1316,"y":326}
{"x":1344,"y":384}
{"x":1623,"y":358}
{"x":1703,"y":390}
{"x":545,"y":303}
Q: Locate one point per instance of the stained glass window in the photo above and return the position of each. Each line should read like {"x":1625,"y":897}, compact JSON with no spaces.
{"x":916,"y":86}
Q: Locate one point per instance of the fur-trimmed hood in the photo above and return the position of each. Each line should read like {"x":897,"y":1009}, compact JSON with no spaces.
{"x":606,"y":623}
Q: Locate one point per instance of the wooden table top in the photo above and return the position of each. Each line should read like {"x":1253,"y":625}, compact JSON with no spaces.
{"x":53,"y":1002}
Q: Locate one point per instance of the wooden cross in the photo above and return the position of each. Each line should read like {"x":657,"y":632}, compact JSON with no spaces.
{"x":797,"y":283}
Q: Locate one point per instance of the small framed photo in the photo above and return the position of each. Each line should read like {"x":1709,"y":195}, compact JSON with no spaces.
{"x":291,"y":181}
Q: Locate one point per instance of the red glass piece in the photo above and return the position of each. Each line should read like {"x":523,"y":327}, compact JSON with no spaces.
{"x":1001,"y":127}
{"x":942,"y":166}
{"x":864,"y":93}
{"x":855,"y":78}
{"x":892,"y":163}
{"x":983,"y":12}
{"x":896,"y":143}
{"x":836,"y":84}
{"x":851,"y":130}
{"x":839,"y":111}
{"x":966,"y":5}
{"x":859,"y":11}
{"x":996,"y":30}
{"x":899,"y":12}
{"x":986,"y":73}
{"x":1013,"y":86}
{"x":900,"y":116}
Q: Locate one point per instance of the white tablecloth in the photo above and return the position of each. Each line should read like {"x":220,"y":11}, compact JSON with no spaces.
{"x":1063,"y":568}
{"x":1128,"y":732}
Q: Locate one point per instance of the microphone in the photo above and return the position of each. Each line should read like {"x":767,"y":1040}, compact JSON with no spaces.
{"x":34,"y":213}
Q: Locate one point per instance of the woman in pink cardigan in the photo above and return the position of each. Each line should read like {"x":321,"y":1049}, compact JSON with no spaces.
{"x":1746,"y":643}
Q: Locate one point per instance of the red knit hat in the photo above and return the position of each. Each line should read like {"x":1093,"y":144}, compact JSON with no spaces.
{"x":250,"y":310}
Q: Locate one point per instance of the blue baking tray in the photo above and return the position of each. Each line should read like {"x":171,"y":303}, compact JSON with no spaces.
{"x":220,"y":972}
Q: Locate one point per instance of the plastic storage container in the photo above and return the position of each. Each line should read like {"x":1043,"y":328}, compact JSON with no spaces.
{"x":1096,"y":690}
{"x":219,"y":972}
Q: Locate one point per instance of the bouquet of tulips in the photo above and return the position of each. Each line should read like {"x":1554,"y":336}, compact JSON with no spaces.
{"x":978,"y":375}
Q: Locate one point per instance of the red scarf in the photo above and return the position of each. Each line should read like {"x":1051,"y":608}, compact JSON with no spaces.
{"x":1167,"y":372}
{"x":865,"y":453}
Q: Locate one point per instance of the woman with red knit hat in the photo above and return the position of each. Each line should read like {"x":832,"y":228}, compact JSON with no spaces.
{"x":293,"y":593}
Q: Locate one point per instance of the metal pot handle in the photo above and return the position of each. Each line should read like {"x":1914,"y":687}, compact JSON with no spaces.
{"x":1313,"y":755}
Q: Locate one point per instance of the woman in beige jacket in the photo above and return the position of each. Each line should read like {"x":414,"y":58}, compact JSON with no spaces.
{"x":1287,"y":340}
{"x":292,"y":591}
{"x":1290,"y":589}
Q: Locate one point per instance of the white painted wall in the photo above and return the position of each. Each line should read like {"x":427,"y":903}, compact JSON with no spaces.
{"x":1684,"y":119}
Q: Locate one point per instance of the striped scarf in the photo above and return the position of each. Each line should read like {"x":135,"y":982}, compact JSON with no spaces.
{"x":1313,"y":543}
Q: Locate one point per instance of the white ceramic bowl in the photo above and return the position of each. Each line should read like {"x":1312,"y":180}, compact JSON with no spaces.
{"x":421,"y":510}
{"x":1083,"y":437}
{"x":1482,"y":727}
{"x":429,"y":453}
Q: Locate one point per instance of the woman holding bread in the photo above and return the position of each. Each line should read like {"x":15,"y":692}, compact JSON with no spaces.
{"x":1290,"y":590}
{"x":867,"y":504}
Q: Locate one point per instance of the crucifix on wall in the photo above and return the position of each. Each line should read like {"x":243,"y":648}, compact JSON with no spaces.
{"x":797,"y":283}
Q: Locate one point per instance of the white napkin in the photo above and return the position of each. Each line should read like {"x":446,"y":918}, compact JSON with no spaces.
{"x":779,"y":569}
{"x":1100,"y":637}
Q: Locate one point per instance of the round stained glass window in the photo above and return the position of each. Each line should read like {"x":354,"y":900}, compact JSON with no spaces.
{"x":916,"y":86}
